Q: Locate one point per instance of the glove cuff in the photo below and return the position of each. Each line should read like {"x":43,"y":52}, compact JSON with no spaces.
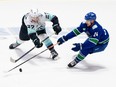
{"x":64,"y":38}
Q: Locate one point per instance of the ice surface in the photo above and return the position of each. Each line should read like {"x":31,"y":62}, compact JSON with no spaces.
{"x":97,"y":70}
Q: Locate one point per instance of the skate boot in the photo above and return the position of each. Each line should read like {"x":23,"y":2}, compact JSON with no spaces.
{"x":54,"y":54}
{"x":72,"y":64}
{"x":14,"y":45}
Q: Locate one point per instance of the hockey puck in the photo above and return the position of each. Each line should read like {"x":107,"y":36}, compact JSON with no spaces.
{"x":20,"y":70}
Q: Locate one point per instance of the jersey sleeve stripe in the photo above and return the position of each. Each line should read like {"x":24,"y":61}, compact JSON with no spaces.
{"x":76,"y":31}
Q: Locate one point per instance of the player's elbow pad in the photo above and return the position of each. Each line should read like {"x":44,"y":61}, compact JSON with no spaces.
{"x":55,"y":20}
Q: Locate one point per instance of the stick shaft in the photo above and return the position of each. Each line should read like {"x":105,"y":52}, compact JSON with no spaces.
{"x":31,"y":49}
{"x":32,"y":57}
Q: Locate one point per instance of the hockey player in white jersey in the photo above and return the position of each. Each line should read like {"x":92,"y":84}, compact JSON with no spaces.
{"x":33,"y":27}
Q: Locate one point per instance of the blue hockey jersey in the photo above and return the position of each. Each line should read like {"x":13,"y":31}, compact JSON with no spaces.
{"x":97,"y":35}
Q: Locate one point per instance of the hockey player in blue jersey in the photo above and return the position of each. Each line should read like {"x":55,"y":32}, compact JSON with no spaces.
{"x":97,"y":41}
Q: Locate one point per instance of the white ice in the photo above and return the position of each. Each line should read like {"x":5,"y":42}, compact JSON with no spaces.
{"x":97,"y":70}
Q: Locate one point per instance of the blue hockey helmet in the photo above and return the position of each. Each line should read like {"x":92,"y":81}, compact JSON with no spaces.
{"x":90,"y":16}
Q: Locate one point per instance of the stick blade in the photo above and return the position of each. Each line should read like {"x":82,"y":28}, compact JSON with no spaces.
{"x":12,"y":60}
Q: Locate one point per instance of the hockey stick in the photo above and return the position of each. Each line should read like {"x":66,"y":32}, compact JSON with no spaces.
{"x":31,"y":58}
{"x":14,"y":61}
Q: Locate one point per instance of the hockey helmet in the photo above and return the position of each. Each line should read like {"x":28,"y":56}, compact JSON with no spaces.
{"x":90,"y":16}
{"x":34,"y":13}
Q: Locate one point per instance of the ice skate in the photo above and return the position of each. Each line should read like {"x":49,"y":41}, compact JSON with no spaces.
{"x":72,"y":64}
{"x":14,"y":45}
{"x":54,"y":54}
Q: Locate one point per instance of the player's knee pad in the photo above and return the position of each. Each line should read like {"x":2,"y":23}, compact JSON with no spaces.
{"x":24,"y":37}
{"x":84,"y":52}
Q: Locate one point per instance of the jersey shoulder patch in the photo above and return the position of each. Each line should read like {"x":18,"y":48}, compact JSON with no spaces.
{"x":94,"y":27}
{"x":83,"y":26}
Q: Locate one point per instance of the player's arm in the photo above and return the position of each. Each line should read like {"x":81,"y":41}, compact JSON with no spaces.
{"x":32,"y":34}
{"x":73,"y":33}
{"x":55,"y":21}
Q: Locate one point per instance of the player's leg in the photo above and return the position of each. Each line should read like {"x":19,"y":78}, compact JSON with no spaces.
{"x":49,"y":43}
{"x":23,"y":36}
{"x":98,"y":48}
{"x":81,"y":55}
{"x":84,"y":52}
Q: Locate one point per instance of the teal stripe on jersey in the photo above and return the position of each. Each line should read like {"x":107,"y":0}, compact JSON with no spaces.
{"x":47,"y":42}
{"x":49,"y":16}
{"x":30,"y":31}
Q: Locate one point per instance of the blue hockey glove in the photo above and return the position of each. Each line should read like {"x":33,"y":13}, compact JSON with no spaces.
{"x":77,"y":47}
{"x":61,"y":40}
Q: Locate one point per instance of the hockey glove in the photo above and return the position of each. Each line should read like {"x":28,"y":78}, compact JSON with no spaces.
{"x":61,"y":40}
{"x":37,"y":43}
{"x":56,"y":25}
{"x":35,"y":40}
{"x":78,"y":46}
{"x":56,"y":28}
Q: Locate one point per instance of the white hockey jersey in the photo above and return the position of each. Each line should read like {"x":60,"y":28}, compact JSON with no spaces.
{"x":32,"y":27}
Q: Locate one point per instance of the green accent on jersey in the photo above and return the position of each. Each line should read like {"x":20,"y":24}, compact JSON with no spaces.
{"x":80,"y":56}
{"x":51,"y":17}
{"x":30,"y":31}
{"x":76,"y":31}
{"x":105,"y":41}
{"x":94,"y":40}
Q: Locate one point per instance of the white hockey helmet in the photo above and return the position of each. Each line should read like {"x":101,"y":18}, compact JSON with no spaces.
{"x":33,"y":13}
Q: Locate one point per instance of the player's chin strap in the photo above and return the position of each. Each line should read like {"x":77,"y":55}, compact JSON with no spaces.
{"x":14,"y":61}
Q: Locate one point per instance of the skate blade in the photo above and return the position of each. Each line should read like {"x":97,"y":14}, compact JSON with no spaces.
{"x":56,"y":58}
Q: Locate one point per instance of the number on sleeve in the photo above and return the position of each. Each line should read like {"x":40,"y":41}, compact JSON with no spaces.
{"x":47,"y":15}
